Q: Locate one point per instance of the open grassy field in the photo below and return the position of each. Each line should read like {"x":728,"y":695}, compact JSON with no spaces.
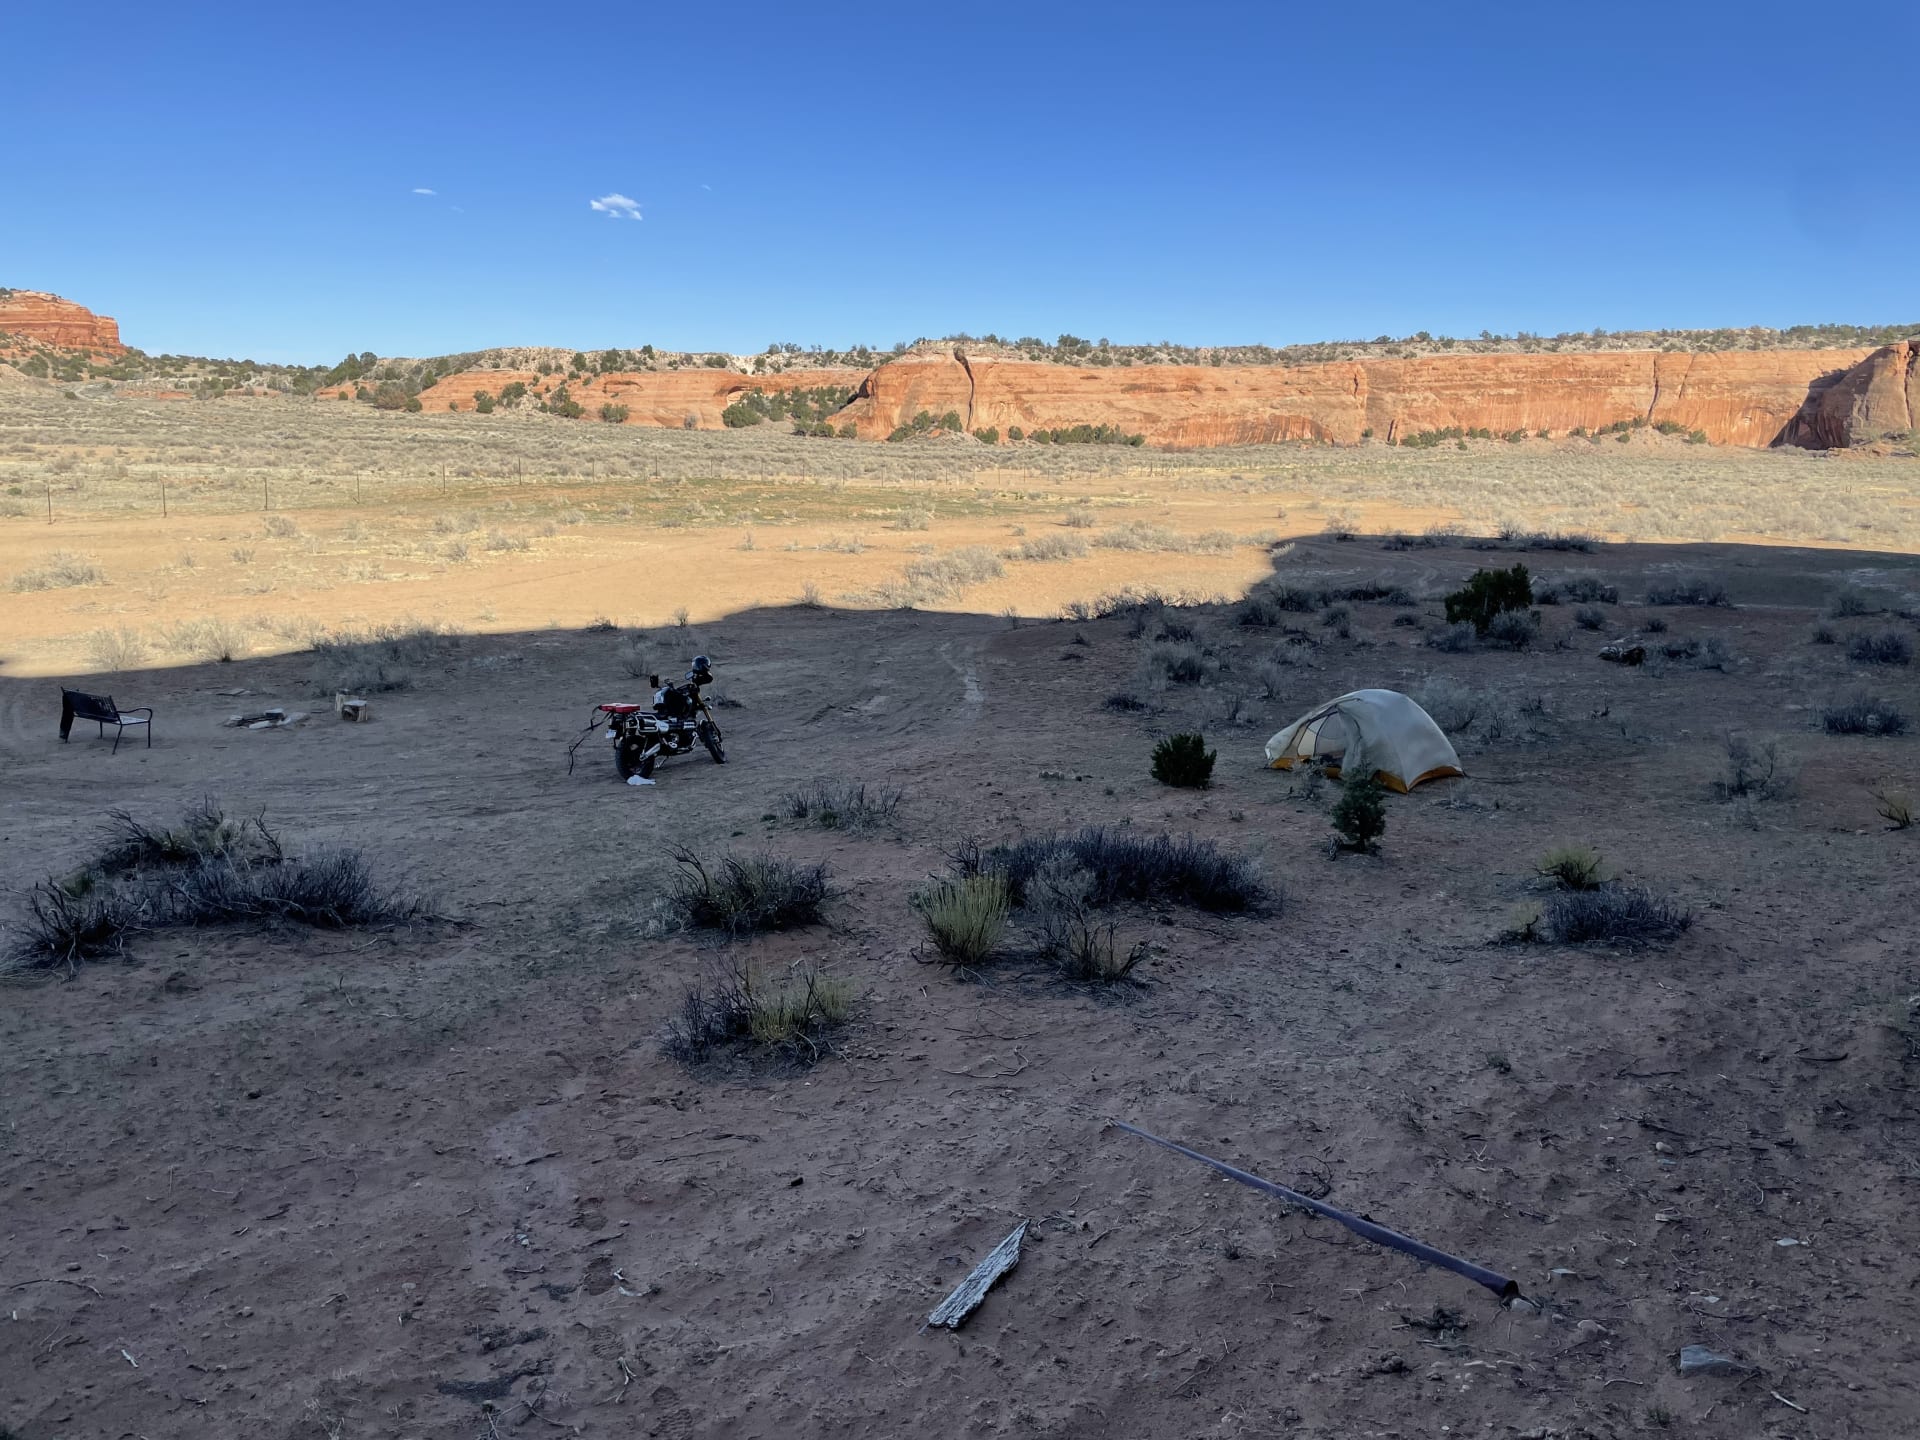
{"x":280,"y":517}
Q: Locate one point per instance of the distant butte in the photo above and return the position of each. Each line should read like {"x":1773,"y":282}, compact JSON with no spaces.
{"x":36,"y":315}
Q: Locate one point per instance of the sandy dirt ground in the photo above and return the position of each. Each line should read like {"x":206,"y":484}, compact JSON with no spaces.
{"x":443,"y":1181}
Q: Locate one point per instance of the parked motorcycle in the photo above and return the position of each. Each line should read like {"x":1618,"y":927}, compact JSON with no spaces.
{"x":643,"y":735}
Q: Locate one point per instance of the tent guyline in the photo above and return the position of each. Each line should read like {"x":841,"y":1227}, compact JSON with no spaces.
{"x":1501,"y":1285}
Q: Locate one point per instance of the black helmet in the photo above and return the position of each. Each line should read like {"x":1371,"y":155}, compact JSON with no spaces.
{"x":700,"y":662}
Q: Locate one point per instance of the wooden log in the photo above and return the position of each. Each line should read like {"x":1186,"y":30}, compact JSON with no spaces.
{"x":967,"y":1296}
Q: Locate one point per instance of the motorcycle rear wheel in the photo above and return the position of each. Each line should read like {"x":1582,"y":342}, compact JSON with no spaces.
{"x":630,"y":758}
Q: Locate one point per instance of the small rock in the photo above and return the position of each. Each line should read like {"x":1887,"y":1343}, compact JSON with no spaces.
{"x":1789,"y":1240}
{"x":1699,"y":1360}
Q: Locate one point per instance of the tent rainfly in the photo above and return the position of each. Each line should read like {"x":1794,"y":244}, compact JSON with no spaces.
{"x":1381,"y":730}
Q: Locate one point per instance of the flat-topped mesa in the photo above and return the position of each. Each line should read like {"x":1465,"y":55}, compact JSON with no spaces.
{"x":1734,"y":398}
{"x":48,"y":319}
{"x":1877,"y":399}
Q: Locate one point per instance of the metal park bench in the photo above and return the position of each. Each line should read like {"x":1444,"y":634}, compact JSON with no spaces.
{"x":78,"y":705}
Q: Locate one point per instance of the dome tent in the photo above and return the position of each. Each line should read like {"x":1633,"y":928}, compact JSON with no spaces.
{"x":1381,"y":730}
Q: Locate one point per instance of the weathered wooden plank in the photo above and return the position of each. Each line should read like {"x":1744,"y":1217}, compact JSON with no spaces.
{"x":951,"y":1311}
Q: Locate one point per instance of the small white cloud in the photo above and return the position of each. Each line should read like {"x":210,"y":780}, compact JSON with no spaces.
{"x":616,"y":207}
{"x":706,"y":187}
{"x":422,"y":190}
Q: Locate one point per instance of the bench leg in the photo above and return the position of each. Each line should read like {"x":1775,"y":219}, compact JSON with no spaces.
{"x":66,"y":720}
{"x":118,"y":731}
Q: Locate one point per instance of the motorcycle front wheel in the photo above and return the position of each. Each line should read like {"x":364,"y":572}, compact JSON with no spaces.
{"x":710,"y":737}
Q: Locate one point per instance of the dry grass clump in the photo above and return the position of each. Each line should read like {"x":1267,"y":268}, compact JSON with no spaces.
{"x":1692,"y":590}
{"x":63,"y":927}
{"x":202,"y":836}
{"x":1141,"y":536}
{"x":940,"y":577}
{"x":1863,"y":713}
{"x":1181,"y":662}
{"x":1754,"y":770}
{"x":842,"y":804}
{"x":1462,"y":709}
{"x":1080,"y":946}
{"x":364,"y":662}
{"x":1629,"y":916}
{"x":116,"y":650}
{"x":1577,"y":589}
{"x":1269,"y":606}
{"x":208,"y":639}
{"x":1894,"y":806}
{"x":632,"y":655}
{"x":1851,"y":604}
{"x":965,"y":916}
{"x":204,"y":870}
{"x":1048,"y":547}
{"x":1884,"y":647}
{"x":331,"y":889}
{"x":739,"y":1010}
{"x":1513,"y":629}
{"x":1080,"y":517}
{"x":748,"y":893}
{"x":1573,"y":867}
{"x":281,"y":527}
{"x":63,"y":570}
{"x":1129,"y":867}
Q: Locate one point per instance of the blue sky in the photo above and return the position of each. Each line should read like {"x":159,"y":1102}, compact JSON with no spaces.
{"x":245,"y":180}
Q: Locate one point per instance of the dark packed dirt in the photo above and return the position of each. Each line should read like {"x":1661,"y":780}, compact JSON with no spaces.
{"x":441,"y":1179}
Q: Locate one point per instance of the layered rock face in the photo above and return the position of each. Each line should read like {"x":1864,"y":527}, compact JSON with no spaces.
{"x":53,"y":321}
{"x":1747,"y":398}
{"x":652,"y":397}
{"x":1875,"y":399}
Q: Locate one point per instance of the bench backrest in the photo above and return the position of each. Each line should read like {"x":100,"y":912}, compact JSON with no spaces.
{"x":91,"y":707}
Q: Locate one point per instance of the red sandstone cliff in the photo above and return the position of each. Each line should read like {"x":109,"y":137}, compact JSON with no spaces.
{"x":1745,"y":398}
{"x":1818,"y":398}
{"x":1876,"y":398}
{"x":53,"y":321}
